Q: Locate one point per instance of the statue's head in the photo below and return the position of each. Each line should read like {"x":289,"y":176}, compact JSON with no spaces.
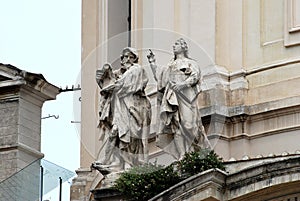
{"x":129,"y":54}
{"x":180,"y":46}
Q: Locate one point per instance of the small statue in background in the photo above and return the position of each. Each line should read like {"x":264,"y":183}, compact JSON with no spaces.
{"x":180,"y":128}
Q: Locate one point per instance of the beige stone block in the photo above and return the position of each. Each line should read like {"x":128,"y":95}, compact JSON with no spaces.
{"x":10,"y":139}
{"x":29,"y":124}
{"x":33,"y":115}
{"x":271,"y":25}
{"x":276,"y":144}
{"x":291,"y":23}
{"x":201,"y":26}
{"x":8,"y":130}
{"x":9,"y":104}
{"x":8,"y":111}
{"x":273,"y":92}
{"x":31,"y":142}
{"x":29,"y":132}
{"x":77,"y":192}
{"x":27,"y":156}
{"x":162,"y":19}
{"x":222,"y":149}
{"x":276,"y":74}
{"x":229,"y":34}
{"x":9,"y":117}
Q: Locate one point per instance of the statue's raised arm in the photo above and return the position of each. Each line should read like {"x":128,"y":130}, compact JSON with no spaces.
{"x":152,"y":60}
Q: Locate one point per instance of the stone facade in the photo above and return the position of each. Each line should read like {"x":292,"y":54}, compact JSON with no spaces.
{"x":21,"y":99}
{"x":249,"y":54}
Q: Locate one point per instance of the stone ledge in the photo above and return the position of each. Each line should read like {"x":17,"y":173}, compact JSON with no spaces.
{"x":13,"y":76}
{"x":253,"y":136}
{"x":265,"y":67}
{"x":262,"y":175}
{"x":211,"y":181}
{"x":283,"y":106}
{"x":245,"y":180}
{"x":22,"y":147}
{"x":242,"y":183}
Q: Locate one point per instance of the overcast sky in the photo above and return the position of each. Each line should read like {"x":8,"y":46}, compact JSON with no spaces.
{"x":43,"y":36}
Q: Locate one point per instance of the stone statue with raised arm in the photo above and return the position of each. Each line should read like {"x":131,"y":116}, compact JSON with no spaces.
{"x":180,"y":128}
{"x":125,"y":113}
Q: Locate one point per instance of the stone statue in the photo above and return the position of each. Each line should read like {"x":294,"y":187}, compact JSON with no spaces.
{"x":125,"y":113}
{"x":108,"y":154}
{"x":180,"y":128}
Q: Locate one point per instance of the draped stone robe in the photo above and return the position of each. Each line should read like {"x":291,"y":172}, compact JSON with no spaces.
{"x":180,"y":128}
{"x":125,"y":115}
{"x":132,"y":114}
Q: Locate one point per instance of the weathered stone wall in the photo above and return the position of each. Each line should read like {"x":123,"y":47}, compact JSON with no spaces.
{"x":29,"y":124}
{"x":19,"y":135}
{"x":8,"y":163}
{"x":22,"y":95}
{"x":8,"y":121}
{"x":8,"y":138}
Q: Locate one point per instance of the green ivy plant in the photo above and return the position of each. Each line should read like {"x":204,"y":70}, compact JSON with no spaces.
{"x":196,"y":162}
{"x":146,"y":181}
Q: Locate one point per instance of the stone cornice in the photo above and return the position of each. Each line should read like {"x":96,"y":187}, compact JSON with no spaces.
{"x":10,"y":83}
{"x":254,"y":136}
{"x":12,"y":76}
{"x":248,"y":182}
{"x":257,"y":69}
{"x":264,"y":175}
{"x":211,"y":181}
{"x":278,"y":107}
{"x":39,"y":83}
{"x":22,"y":147}
{"x":273,"y":65}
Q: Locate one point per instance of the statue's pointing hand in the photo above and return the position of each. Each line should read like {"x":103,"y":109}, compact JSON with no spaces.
{"x":151,"y":57}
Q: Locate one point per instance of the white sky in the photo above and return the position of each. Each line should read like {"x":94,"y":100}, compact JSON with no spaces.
{"x":43,"y":36}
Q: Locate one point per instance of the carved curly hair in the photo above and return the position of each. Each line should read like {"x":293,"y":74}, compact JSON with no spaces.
{"x":184,"y":47}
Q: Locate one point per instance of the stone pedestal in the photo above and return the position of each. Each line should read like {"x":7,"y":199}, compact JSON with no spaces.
{"x":90,"y":184}
{"x":82,"y":186}
{"x":103,"y":190}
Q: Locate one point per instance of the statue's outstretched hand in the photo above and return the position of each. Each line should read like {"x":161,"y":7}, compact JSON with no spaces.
{"x":151,"y":57}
